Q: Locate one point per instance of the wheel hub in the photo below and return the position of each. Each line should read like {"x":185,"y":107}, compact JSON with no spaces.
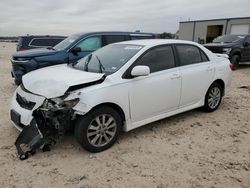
{"x":214,"y":97}
{"x":101,"y":130}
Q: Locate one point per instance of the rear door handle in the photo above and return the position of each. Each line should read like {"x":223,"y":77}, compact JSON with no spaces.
{"x":209,"y":69}
{"x":175,"y":76}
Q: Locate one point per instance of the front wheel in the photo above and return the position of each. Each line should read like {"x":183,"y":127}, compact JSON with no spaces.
{"x":213,"y":97}
{"x":98,"y":130}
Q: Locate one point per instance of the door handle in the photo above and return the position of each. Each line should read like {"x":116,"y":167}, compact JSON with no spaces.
{"x":175,"y":76}
{"x":209,"y":69}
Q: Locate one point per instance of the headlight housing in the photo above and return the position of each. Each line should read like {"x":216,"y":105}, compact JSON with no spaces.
{"x":59,"y":104}
{"x":226,"y":50}
{"x":23,"y":59}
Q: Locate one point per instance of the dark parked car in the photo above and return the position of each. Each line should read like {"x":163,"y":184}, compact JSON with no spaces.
{"x":237,"y":47}
{"x":69,"y":50}
{"x":41,"y":41}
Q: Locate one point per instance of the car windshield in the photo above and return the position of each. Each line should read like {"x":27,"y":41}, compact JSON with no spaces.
{"x":108,"y":59}
{"x":228,"y":38}
{"x":65,"y":43}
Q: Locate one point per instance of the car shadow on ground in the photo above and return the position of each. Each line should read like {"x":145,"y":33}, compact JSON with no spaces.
{"x":176,"y":125}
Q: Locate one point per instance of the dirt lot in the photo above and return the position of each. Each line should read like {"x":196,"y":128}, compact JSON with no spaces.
{"x":193,"y":149}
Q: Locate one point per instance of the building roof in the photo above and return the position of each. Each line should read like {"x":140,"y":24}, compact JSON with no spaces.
{"x":238,"y":18}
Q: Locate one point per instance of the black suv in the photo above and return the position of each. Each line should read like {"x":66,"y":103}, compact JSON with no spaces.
{"x":39,"y":41}
{"x":69,"y":50}
{"x":237,"y":47}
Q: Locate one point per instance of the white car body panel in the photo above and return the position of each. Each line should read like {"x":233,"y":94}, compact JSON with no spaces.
{"x":26,"y":115}
{"x":43,"y":81}
{"x":142,"y":99}
{"x":166,"y":91}
{"x":196,"y":79}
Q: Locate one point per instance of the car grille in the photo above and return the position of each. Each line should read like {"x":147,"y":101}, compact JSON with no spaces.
{"x":24,"y":103}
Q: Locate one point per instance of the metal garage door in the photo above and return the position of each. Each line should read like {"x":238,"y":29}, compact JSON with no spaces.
{"x":240,"y":29}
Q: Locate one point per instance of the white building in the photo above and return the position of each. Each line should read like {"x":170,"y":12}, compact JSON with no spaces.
{"x":204,"y":31}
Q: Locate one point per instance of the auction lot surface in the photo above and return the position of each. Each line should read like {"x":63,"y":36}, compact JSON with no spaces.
{"x":193,"y":149}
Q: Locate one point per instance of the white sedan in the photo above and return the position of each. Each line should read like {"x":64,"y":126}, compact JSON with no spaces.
{"x":119,"y":87}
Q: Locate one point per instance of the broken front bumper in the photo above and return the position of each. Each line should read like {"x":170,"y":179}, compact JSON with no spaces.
{"x":40,"y":126}
{"x":23,"y":104}
{"x":29,"y":140}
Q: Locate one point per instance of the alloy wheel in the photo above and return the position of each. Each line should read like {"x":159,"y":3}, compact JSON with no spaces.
{"x":101,"y":130}
{"x":214,"y":97}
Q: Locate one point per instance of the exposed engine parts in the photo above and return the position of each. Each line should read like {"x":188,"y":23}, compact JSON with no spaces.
{"x":47,"y":127}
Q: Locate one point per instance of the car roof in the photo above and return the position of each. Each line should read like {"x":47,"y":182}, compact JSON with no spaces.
{"x":154,"y":42}
{"x":114,"y":33}
{"x":43,"y":36}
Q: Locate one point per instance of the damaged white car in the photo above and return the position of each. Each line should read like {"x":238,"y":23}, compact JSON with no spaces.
{"x":119,"y":87}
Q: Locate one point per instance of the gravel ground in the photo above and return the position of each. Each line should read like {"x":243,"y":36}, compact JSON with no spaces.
{"x":193,"y":149}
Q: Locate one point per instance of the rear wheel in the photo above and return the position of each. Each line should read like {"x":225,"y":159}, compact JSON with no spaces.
{"x":98,"y":130}
{"x":213,"y":97}
{"x":235,"y":60}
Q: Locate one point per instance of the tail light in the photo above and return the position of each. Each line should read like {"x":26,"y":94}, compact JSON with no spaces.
{"x":231,"y":66}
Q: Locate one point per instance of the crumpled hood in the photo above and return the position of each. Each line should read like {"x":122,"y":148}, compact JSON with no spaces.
{"x":54,"y":81}
{"x":34,"y":53}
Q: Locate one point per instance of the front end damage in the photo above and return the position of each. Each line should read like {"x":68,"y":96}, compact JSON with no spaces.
{"x":49,"y":123}
{"x":45,"y":108}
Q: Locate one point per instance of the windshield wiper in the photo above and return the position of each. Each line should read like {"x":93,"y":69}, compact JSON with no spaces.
{"x":87,"y":62}
{"x":101,"y":67}
{"x":51,"y":48}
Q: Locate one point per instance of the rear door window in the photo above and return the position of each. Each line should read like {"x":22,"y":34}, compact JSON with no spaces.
{"x":204,"y":56}
{"x":189,"y":54}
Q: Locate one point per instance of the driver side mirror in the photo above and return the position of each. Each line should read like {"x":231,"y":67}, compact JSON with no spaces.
{"x":75,"y":50}
{"x":245,"y":44}
{"x":140,"y":70}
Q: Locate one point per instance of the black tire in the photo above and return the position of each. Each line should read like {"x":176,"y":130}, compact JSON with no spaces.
{"x":208,"y":107}
{"x":235,"y":60}
{"x":83,"y":124}
{"x":17,"y":82}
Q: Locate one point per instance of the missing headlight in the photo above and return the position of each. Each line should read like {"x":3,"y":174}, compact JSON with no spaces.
{"x":59,"y":104}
